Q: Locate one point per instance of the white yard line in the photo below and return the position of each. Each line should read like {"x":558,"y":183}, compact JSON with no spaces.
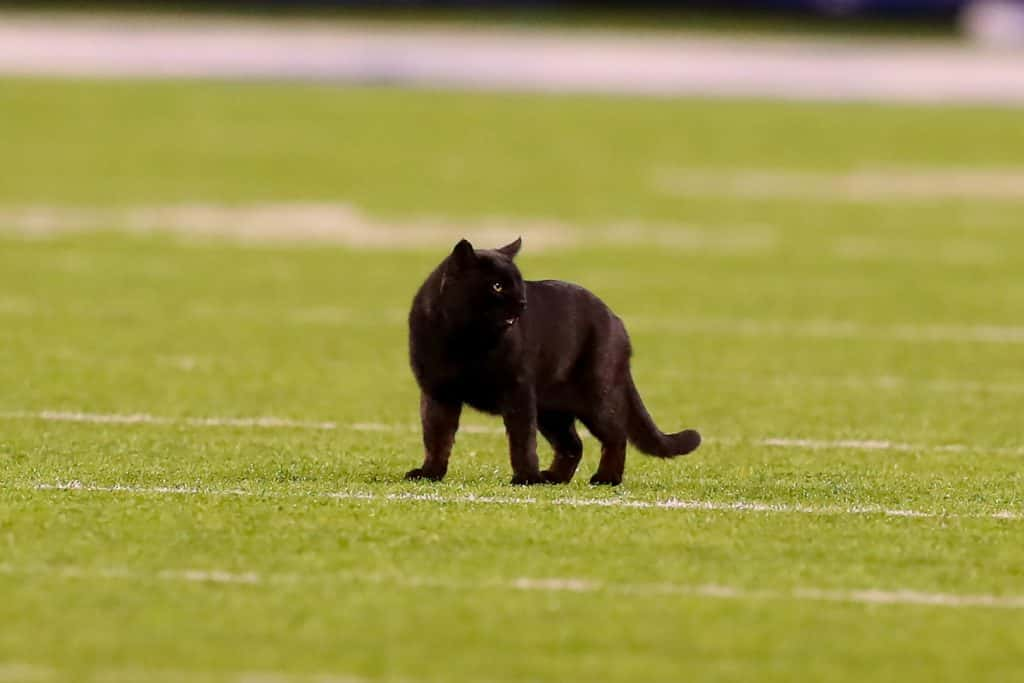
{"x":830,"y":329}
{"x":341,"y":223}
{"x":870,"y":184}
{"x":548,"y":60}
{"x":471,"y":499}
{"x":943,"y":252}
{"x":270,"y":422}
{"x":870,"y":596}
{"x":386,"y":427}
{"x":346,"y":224}
{"x":873,"y":382}
{"x":146,"y":419}
{"x":860,"y":445}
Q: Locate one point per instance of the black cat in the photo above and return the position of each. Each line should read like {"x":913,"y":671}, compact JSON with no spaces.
{"x":540,"y":354}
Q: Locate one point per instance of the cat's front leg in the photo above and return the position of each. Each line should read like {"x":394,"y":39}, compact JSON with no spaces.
{"x":520,"y":416}
{"x":440,"y":422}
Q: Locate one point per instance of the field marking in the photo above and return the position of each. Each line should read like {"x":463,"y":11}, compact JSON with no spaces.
{"x":25,"y":673}
{"x":270,"y":422}
{"x":861,"y":445}
{"x":345,"y":224}
{"x":341,"y":223}
{"x":870,"y":596}
{"x":832,"y":329}
{"x":869,"y":184}
{"x":266,"y":422}
{"x":946,"y":252}
{"x":867,"y":382}
{"x":885,"y":382}
{"x":518,"y":58}
{"x":472,"y":499}
{"x":736,"y":327}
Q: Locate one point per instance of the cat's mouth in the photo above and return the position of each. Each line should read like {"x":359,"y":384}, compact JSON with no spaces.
{"x":509,"y":322}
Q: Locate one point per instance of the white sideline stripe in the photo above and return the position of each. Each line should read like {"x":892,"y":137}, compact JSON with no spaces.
{"x":871,"y":596}
{"x":500,"y":58}
{"x":472,"y":499}
{"x":269,"y":422}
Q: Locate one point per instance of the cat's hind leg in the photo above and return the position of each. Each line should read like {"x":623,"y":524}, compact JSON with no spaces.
{"x":608,"y":425}
{"x":560,"y":431}
{"x":613,"y":462}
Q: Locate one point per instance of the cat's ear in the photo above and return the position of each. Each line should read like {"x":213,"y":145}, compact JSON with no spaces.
{"x":463,"y":256}
{"x":512,"y":248}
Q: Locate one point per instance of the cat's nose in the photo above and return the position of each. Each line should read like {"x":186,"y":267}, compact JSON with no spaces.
{"x":522,"y":302}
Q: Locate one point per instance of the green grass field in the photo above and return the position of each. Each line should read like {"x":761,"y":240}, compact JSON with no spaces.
{"x":853,"y":361}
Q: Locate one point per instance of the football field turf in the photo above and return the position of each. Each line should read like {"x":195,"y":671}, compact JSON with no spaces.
{"x":202,"y":436}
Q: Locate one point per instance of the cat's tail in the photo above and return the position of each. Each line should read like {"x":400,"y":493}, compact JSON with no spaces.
{"x":646,"y":436}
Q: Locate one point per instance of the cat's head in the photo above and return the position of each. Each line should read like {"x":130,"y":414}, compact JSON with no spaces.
{"x":484,"y":286}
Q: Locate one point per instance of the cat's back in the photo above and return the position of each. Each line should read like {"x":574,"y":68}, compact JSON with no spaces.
{"x":570,"y":336}
{"x":562,"y":293}
{"x":565,"y":305}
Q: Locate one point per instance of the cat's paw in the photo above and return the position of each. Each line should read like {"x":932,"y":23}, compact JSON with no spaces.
{"x":600,"y":479}
{"x":528,"y":479}
{"x":419,"y":474}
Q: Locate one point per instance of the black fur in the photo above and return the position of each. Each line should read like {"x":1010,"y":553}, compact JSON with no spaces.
{"x":540,"y":354}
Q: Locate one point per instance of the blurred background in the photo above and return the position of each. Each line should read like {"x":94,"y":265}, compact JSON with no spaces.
{"x":902,"y":50}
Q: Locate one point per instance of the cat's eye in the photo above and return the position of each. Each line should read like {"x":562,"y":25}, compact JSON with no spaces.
{"x":497,"y":287}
